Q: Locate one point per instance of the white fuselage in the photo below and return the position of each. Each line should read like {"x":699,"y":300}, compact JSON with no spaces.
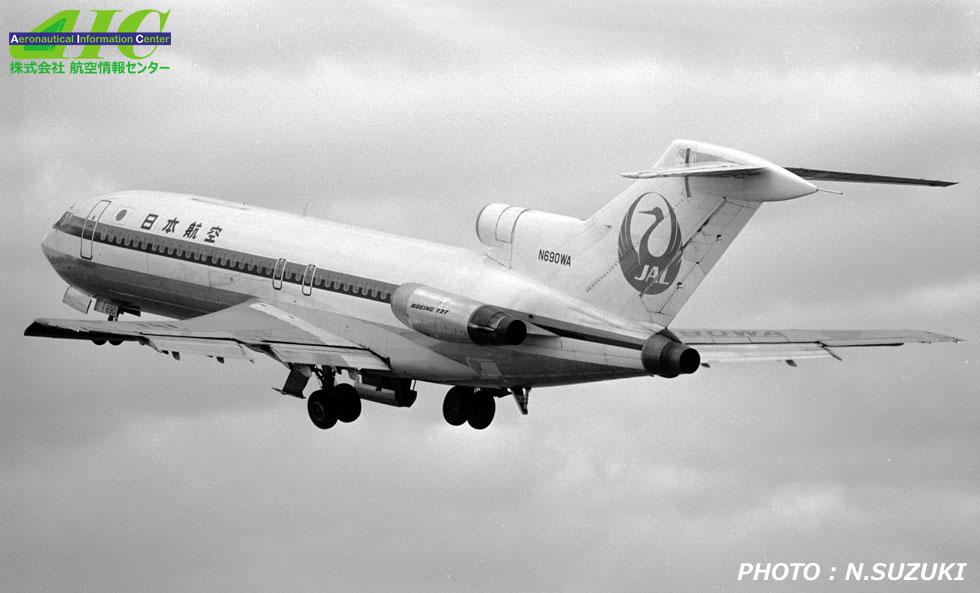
{"x":184,"y":256}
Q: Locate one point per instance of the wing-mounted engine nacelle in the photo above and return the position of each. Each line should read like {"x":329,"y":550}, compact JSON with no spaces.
{"x":666,"y":357}
{"x":450,"y":317}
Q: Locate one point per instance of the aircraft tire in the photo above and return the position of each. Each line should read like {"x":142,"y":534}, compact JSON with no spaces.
{"x":322,"y":409}
{"x":455,"y":408}
{"x":347,"y":402}
{"x":482,"y":407}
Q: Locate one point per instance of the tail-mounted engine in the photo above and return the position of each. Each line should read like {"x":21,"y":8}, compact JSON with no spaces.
{"x":666,"y":357}
{"x":500,"y":227}
{"x":454,"y":318}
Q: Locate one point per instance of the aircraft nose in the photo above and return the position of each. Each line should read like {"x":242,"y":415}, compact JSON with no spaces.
{"x":51,"y":241}
{"x":47,"y":245}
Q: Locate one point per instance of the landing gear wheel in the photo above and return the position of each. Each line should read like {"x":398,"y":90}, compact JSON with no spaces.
{"x":322,"y":408}
{"x":347,"y":402}
{"x":482,"y":408}
{"x":455,"y":408}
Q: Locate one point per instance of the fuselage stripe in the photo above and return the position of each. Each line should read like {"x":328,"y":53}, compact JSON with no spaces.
{"x":227,"y":259}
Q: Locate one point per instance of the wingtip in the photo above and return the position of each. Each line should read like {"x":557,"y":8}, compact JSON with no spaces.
{"x":36,"y":328}
{"x":944,"y":338}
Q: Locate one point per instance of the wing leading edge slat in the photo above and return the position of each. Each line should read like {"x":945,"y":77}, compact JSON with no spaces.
{"x":237,"y":332}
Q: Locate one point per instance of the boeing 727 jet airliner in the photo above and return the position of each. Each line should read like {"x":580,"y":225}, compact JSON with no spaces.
{"x":554,"y":300}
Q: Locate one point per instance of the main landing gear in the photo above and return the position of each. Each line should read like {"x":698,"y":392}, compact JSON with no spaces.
{"x":337,"y":402}
{"x":341,"y":402}
{"x":333,"y":401}
{"x":463,"y":404}
{"x":477,"y":406}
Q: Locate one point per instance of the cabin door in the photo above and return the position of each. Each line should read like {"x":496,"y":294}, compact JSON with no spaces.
{"x":88,"y":229}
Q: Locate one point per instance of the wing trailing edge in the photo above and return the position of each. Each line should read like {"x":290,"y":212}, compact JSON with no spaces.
{"x":733,"y":345}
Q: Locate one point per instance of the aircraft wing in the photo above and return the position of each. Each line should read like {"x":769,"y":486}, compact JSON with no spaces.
{"x":241,"y":331}
{"x":731,"y":345}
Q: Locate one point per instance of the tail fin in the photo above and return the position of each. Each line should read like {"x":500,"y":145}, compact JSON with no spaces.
{"x":645,"y":253}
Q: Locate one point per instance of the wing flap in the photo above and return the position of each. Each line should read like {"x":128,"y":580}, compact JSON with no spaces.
{"x":329,"y":356}
{"x":713,"y":353}
{"x":744,"y":345}
{"x":826,"y":337}
{"x":204,"y":347}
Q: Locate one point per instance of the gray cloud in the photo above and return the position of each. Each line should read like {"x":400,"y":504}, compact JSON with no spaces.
{"x":751,"y":37}
{"x":125,"y":470}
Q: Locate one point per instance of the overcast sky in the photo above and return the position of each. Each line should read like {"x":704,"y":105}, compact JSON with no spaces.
{"x":123,"y":470}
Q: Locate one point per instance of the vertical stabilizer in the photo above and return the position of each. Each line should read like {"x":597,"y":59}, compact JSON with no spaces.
{"x":646,"y":252}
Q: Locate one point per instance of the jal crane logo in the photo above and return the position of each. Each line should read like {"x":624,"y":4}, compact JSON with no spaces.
{"x":650,"y":244}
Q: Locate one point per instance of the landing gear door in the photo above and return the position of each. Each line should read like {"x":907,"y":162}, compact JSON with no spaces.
{"x":88,"y":229}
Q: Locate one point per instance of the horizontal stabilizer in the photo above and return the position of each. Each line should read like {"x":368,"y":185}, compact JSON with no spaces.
{"x":863,"y":178}
{"x":697,"y":169}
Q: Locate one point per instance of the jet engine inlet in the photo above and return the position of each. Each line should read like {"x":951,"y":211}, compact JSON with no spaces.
{"x":450,"y":317}
{"x":664,"y":357}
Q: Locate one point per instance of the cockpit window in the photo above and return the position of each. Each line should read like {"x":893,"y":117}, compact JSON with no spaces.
{"x":63,"y":220}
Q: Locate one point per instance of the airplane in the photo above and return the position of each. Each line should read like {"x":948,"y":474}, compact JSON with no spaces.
{"x":554,"y":300}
